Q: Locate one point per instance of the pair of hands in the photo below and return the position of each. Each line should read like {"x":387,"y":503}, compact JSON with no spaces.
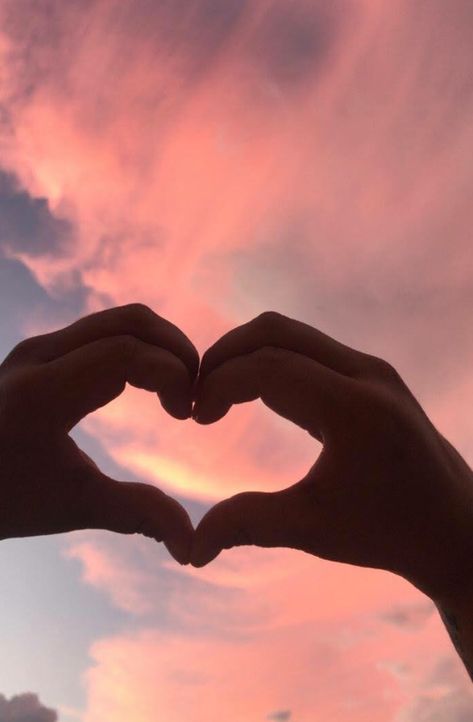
{"x":387,"y":490}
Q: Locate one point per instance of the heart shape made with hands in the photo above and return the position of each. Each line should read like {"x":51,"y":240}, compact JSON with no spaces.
{"x":367,"y":500}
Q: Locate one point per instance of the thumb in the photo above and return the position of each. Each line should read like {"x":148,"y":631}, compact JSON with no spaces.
{"x":136,"y":508}
{"x":256,"y":518}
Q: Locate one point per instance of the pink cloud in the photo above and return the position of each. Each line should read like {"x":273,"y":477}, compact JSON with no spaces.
{"x":253,"y":584}
{"x":213,"y":169}
{"x":106,"y":571}
{"x":264,"y":630}
{"x":297,"y":668}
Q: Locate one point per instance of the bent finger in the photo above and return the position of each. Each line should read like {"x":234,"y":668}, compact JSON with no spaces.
{"x":137,"y":508}
{"x":294,"y":386}
{"x":131,"y":320}
{"x":275,"y":519}
{"x":275,"y":329}
{"x":89,"y":377}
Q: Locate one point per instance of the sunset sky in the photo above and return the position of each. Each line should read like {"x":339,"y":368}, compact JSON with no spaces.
{"x":214,"y":159}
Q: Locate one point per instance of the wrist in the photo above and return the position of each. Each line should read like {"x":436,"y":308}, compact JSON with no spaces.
{"x":444,"y":566}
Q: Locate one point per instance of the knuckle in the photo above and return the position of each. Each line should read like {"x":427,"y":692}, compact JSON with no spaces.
{"x":139,"y":312}
{"x":382,"y":369}
{"x":153,"y":496}
{"x":269,"y":321}
{"x":24,"y":350}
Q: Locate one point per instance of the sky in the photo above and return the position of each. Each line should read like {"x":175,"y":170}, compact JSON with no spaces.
{"x":214,"y":159}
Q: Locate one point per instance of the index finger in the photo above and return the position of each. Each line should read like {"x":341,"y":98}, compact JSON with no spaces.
{"x":301,"y":390}
{"x":131,"y":320}
{"x":274,"y":329}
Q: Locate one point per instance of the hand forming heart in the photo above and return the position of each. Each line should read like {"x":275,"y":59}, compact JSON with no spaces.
{"x":50,"y":382}
{"x":387,"y":491}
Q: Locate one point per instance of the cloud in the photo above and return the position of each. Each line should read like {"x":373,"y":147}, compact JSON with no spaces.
{"x":177,"y":677}
{"x":237,"y":614}
{"x":446,"y":695}
{"x":305,"y":667}
{"x":293,"y":45}
{"x":26,"y":223}
{"x":409,"y":616}
{"x":451,"y":707}
{"x":139,"y":578}
{"x":25,"y":707}
{"x":27,"y":226}
{"x":213,"y":160}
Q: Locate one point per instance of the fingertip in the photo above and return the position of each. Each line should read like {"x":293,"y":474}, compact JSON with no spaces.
{"x":179,"y":542}
{"x":180,"y":550}
{"x":179,"y":408}
{"x":203,"y":414}
{"x":200,"y":556}
{"x":201,"y":419}
{"x":207,"y":541}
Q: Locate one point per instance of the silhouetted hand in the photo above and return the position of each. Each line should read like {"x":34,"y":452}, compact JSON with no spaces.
{"x":387,"y":491}
{"x":50,"y":382}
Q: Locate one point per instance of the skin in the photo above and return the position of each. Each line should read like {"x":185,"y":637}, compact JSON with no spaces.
{"x":387,"y":491}
{"x":47,"y":385}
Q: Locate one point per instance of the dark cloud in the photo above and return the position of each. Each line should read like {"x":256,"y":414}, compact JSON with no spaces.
{"x":26,"y":223}
{"x":24,"y":302}
{"x":19,"y":294}
{"x":281,"y":715}
{"x":27,"y":226}
{"x":25,"y":708}
{"x":294,"y":41}
{"x":409,"y":616}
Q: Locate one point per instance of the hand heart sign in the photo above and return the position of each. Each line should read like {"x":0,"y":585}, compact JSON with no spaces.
{"x":387,"y":491}
{"x":47,"y":385}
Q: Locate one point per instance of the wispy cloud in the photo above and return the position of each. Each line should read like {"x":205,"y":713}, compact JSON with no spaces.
{"x":446,"y":696}
{"x":214,"y":160}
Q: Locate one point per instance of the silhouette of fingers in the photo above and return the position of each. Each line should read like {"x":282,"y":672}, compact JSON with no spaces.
{"x":92,"y":375}
{"x":256,"y":518}
{"x":131,"y":320}
{"x":274,"y":329}
{"x":296,"y":387}
{"x":136,"y":508}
